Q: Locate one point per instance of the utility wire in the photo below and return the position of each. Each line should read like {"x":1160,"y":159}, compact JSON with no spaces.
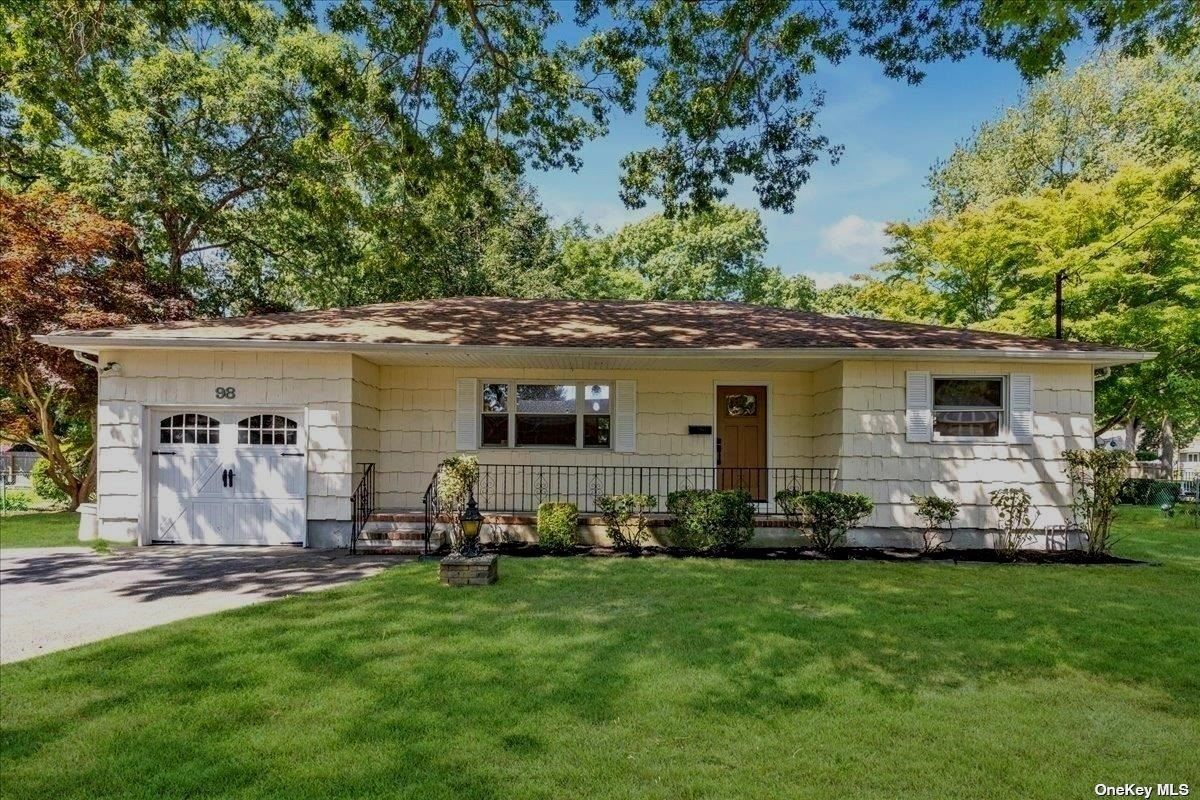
{"x":1184,"y":196}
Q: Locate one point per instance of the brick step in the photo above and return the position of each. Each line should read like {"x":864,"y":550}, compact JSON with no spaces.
{"x":391,"y":534}
{"x":392,"y":549}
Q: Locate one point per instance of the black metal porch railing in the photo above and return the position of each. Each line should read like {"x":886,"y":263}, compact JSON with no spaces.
{"x":520,"y":489}
{"x":362,"y":504}
{"x":432,"y":508}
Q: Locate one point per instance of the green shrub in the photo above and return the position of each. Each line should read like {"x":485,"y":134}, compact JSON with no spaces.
{"x":1017,"y":515}
{"x":43,"y":486}
{"x":15,"y":500}
{"x":711,"y":521}
{"x":826,"y":515}
{"x":625,"y":518}
{"x":935,"y":512}
{"x":1096,"y":477}
{"x":558,"y":526}
{"x":1147,"y":492}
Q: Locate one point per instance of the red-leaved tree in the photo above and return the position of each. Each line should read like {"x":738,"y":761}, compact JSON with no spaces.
{"x":63,"y":266}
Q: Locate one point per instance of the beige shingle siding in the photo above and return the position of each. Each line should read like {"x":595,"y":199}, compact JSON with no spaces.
{"x":322,"y":383}
{"x":889,"y":469}
{"x":418,"y":430}
{"x":847,"y":415}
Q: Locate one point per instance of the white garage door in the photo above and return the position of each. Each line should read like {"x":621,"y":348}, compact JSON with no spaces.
{"x":228,"y":477}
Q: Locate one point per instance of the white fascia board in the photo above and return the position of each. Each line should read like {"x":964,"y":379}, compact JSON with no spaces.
{"x":93,"y":344}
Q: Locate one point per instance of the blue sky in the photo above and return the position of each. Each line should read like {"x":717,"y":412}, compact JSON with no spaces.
{"x":892,"y":133}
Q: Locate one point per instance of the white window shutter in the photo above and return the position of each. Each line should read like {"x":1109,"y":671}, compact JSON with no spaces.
{"x":625,"y":418}
{"x":1020,"y":408}
{"x":466,"y":426}
{"x":918,"y":407}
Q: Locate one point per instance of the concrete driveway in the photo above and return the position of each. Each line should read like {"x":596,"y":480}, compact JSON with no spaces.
{"x":60,"y":597}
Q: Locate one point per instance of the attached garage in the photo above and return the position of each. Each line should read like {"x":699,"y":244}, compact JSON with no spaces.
{"x":227,"y":477}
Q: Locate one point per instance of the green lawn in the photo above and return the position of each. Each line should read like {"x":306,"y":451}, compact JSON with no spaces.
{"x":39,"y":529}
{"x":643,"y":678}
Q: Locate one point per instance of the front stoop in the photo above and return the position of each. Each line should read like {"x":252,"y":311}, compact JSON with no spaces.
{"x":395,"y":534}
{"x":456,"y":570}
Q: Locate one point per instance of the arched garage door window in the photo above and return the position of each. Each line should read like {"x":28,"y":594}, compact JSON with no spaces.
{"x":267,"y":429}
{"x":189,"y":429}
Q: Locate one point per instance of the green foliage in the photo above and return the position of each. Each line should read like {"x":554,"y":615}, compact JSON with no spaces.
{"x":43,"y":485}
{"x":935,"y":512}
{"x":708,"y":521}
{"x":558,"y":526}
{"x":343,"y":152}
{"x":1096,"y":477}
{"x":826,"y":515}
{"x":625,"y":518}
{"x":1015,"y":510}
{"x":1078,"y":125}
{"x":15,"y":500}
{"x":1147,"y":492}
{"x":457,"y":477}
{"x":717,"y":254}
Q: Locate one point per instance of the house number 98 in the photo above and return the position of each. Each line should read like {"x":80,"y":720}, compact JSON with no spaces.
{"x":226,"y":393}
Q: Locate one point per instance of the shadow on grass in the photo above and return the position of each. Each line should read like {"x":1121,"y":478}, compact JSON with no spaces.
{"x":400,"y":687}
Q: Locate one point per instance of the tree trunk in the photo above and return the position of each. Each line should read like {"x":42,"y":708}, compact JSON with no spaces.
{"x":1133,"y":427}
{"x":1167,"y":450}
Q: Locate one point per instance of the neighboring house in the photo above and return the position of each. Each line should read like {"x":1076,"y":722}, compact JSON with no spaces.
{"x":16,"y":462}
{"x":256,"y":430}
{"x":1189,"y":460}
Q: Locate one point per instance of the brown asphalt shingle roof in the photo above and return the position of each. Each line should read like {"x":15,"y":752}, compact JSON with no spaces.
{"x":586,"y":324}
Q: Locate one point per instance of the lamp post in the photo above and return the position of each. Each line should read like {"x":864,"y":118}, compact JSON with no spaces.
{"x":471,"y":522}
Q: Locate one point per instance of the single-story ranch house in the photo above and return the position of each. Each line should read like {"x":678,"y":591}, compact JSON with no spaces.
{"x":260,"y":430}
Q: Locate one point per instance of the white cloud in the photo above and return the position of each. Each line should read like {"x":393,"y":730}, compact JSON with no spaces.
{"x":857,"y":241}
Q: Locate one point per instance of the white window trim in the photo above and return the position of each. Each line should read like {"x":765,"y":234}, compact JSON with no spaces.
{"x":1001,"y":434}
{"x":511,"y":412}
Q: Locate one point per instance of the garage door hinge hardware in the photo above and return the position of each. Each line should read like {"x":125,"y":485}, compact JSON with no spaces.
{"x":162,"y":452}
{"x":291,"y":454}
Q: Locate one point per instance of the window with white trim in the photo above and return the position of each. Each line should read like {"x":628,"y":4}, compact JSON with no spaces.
{"x":546,"y":414}
{"x":968,"y":408}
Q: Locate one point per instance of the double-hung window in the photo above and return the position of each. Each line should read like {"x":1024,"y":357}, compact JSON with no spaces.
{"x":545,"y":414}
{"x":968,"y":408}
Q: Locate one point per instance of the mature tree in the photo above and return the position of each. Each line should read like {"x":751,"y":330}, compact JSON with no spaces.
{"x":183,"y":116}
{"x":62,"y":265}
{"x":178,"y":118}
{"x":712,"y":255}
{"x":1083,"y":124}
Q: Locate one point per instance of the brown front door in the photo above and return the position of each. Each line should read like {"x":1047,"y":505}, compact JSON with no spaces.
{"x":742,"y":439}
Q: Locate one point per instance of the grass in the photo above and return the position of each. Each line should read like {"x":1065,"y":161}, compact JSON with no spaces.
{"x":39,"y":529}
{"x":660,"y":678}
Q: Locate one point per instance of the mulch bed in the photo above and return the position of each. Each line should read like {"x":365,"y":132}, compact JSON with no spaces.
{"x":965,"y":556}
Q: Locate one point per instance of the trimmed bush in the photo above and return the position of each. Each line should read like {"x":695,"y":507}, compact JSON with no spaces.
{"x":15,"y":500}
{"x":558,"y":526}
{"x":1017,"y":515}
{"x":826,"y":515}
{"x":935,"y":512}
{"x":43,"y":486}
{"x":625,"y":518}
{"x":711,"y":521}
{"x":1147,"y":492}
